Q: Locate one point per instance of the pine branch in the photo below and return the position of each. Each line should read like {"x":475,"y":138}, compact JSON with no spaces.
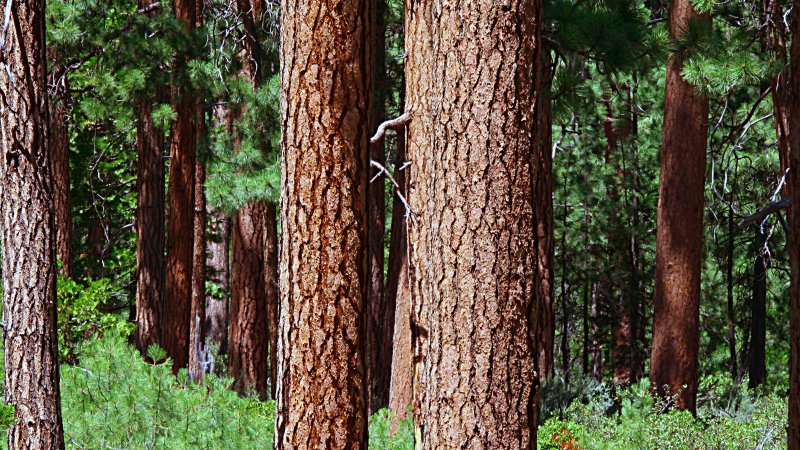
{"x":394,"y":124}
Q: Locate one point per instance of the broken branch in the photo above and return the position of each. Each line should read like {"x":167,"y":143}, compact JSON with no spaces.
{"x":393,"y":124}
{"x":759,"y":215}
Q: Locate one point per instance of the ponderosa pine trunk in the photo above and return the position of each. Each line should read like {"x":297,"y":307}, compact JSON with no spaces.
{"x":398,"y":294}
{"x":59,"y":149}
{"x":543,"y":214}
{"x":379,"y":356}
{"x":272,"y":283}
{"x":247,"y":350}
{"x":679,"y":235}
{"x":757,"y":362}
{"x":326,"y":78}
{"x":180,"y":229}
{"x":150,"y":224}
{"x":471,"y":145}
{"x":27,"y":220}
{"x":774,"y":42}
{"x":794,"y":248}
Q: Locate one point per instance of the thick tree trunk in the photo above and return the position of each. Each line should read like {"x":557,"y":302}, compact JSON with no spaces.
{"x":473,"y":246}
{"x":679,"y":238}
{"x":59,"y":149}
{"x":758,"y":314}
{"x":774,"y":41}
{"x":27,"y":220}
{"x":150,"y":224}
{"x":197,"y":318}
{"x":326,"y":80}
{"x":398,"y":296}
{"x":378,"y":362}
{"x":543,"y":214}
{"x":248,"y":346}
{"x":180,"y":232}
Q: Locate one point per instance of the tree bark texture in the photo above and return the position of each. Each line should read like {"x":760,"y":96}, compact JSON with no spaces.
{"x":197,"y":318}
{"x":473,"y":245}
{"x":679,"y":235}
{"x":272,"y":284}
{"x":757,"y":363}
{"x":59,"y":149}
{"x":180,"y":197}
{"x":248,"y":346}
{"x":27,"y":220}
{"x":794,"y":248}
{"x":543,"y":213}
{"x":326,"y":79}
{"x":775,"y":38}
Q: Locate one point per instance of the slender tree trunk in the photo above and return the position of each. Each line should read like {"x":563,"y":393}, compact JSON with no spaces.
{"x":218,"y":263}
{"x":597,"y":353}
{"x":473,"y":246}
{"x":731,"y":311}
{"x":27,"y":220}
{"x":586,"y":341}
{"x":794,"y":245}
{"x":679,"y":237}
{"x":326,"y":78}
{"x":180,"y":232}
{"x":378,"y":363}
{"x":543,"y":213}
{"x":272,"y":284}
{"x":398,"y":295}
{"x":757,"y":363}
{"x":59,"y":149}
{"x":150,"y":225}
{"x":248,"y":346}
{"x":197,"y":318}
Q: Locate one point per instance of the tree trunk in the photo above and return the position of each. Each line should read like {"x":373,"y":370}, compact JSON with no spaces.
{"x":247,"y":352}
{"x":794,"y":247}
{"x":197,"y":318}
{"x":59,"y":149}
{"x":378,"y":362}
{"x":597,"y":351}
{"x":473,"y":247}
{"x":731,"y":311}
{"x":679,"y":235}
{"x":27,"y":220}
{"x":543,"y":214}
{"x":150,"y":224}
{"x":758,"y":314}
{"x":775,"y":43}
{"x":326,"y":80}
{"x":180,"y":232}
{"x":398,"y":295}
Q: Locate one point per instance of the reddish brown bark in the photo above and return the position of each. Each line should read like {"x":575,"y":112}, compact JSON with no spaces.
{"x":180,"y":197}
{"x":473,"y":246}
{"x":679,"y":239}
{"x":197,"y":318}
{"x":27,"y":221}
{"x":273,"y":290}
{"x":325,"y":100}
{"x":59,"y":145}
{"x":247,"y":352}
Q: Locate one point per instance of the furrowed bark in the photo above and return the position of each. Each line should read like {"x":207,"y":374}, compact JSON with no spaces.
{"x":326,"y":78}
{"x":197,"y":318}
{"x":27,"y":220}
{"x":59,"y":145}
{"x":794,"y":248}
{"x":473,"y":246}
{"x":679,"y":236}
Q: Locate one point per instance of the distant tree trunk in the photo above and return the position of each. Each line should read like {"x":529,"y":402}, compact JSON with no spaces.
{"x":565,"y":306}
{"x":794,"y":245}
{"x":597,"y":353}
{"x":150,"y":224}
{"x":398,"y":295}
{"x":471,"y":144}
{"x":679,"y":237}
{"x":326,"y":78}
{"x":180,"y":233}
{"x":248,"y":346}
{"x":59,"y":145}
{"x":586,"y":340}
{"x":775,"y":37}
{"x":218,"y":263}
{"x":27,"y":221}
{"x":272,"y":284}
{"x":758,"y":314}
{"x":197,"y":317}
{"x":378,"y":362}
{"x":543,"y":214}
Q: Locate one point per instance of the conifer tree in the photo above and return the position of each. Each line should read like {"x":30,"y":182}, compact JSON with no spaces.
{"x":27,"y":220}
